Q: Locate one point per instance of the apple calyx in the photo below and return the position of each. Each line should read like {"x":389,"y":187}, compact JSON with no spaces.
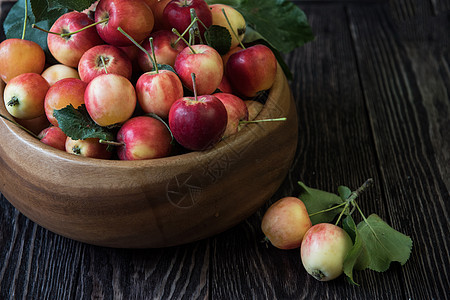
{"x":317,"y":274}
{"x":13,"y":102}
{"x":66,"y":34}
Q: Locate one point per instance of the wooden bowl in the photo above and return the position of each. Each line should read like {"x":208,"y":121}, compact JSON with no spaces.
{"x":152,"y":203}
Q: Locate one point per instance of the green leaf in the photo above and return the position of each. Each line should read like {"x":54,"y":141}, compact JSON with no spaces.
{"x":219,"y":38}
{"x":166,"y":67}
{"x":317,"y":200}
{"x":77,"y":124}
{"x":282,"y":23}
{"x":384,"y":244}
{"x":357,"y":257}
{"x":78,"y":5}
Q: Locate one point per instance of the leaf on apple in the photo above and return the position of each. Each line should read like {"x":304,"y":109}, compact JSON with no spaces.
{"x":77,"y":124}
{"x":219,"y":38}
{"x":318,"y":200}
{"x":384,"y":244}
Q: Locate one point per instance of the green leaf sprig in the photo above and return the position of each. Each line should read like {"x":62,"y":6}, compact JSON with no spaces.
{"x":375,"y":243}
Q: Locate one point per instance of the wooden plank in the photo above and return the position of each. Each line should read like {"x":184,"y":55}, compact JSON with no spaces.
{"x":406,"y":85}
{"x":335,"y":148}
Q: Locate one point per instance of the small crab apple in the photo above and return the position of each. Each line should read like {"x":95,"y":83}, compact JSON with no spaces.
{"x":157,"y":91}
{"x":234,"y":17}
{"x":68,"y":49}
{"x":286,"y":222}
{"x":19,"y":56}
{"x":104,"y":59}
{"x":54,"y":137}
{"x":64,"y":92}
{"x":110,"y":99}
{"x":323,"y":250}
{"x":88,"y":148}
{"x":143,"y":137}
{"x":134,"y":16}
{"x":177,"y":14}
{"x":198,"y":122}
{"x":24,"y":96}
{"x":166,"y":46}
{"x":251,"y":70}
{"x":236,"y":112}
{"x":207,"y":65}
{"x":59,"y":71}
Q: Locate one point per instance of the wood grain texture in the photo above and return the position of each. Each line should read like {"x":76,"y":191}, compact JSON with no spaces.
{"x":372,"y":100}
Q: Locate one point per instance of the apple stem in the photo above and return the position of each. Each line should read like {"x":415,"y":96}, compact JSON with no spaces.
{"x":154,"y":55}
{"x":20,"y":126}
{"x":232,"y":30}
{"x":185,"y":31}
{"x":111,"y":143}
{"x":63,"y":35}
{"x":262,"y":120}
{"x":138,"y":45}
{"x":25,"y":20}
{"x":195,"y":32}
{"x":194,"y":86}
{"x":104,"y":64}
{"x":184,"y":40}
{"x":328,"y":209}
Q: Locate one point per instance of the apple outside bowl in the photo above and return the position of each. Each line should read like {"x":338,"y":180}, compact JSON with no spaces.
{"x":151,"y":203}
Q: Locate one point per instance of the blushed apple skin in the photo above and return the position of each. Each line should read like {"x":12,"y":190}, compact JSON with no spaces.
{"x":116,"y":61}
{"x":177,"y":14}
{"x":251,"y":70}
{"x":30,"y":90}
{"x":110,"y":99}
{"x":198,"y":124}
{"x":236,"y":112}
{"x":145,"y":138}
{"x":323,"y":250}
{"x":62,"y":93}
{"x":68,"y":50}
{"x":285,"y":223}
{"x":59,"y":71}
{"x":54,"y":137}
{"x":19,"y":56}
{"x":156,"y":92}
{"x":87,"y":148}
{"x":165,"y":48}
{"x":207,"y":65}
{"x":133,"y":16}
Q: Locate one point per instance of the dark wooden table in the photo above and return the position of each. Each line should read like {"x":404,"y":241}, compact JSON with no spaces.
{"x":372,"y":94}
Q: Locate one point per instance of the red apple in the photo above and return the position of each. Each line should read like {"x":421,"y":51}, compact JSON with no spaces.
{"x":143,"y":138}
{"x":87,"y":148}
{"x":24,"y":96}
{"x":225,"y":86}
{"x":251,"y":70}
{"x":156,"y":92}
{"x":236,"y":112}
{"x":198,"y":123}
{"x":165,"y":49}
{"x":110,"y":99}
{"x":133,"y":16}
{"x":54,"y":137}
{"x":69,"y":49}
{"x":19,"y":56}
{"x":205,"y":62}
{"x":62,"y":93}
{"x":178,"y":15}
{"x":59,"y":71}
{"x":116,"y":62}
{"x":157,"y":7}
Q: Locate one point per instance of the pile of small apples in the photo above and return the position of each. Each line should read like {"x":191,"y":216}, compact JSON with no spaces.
{"x":201,"y":99}
{"x":323,"y":247}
